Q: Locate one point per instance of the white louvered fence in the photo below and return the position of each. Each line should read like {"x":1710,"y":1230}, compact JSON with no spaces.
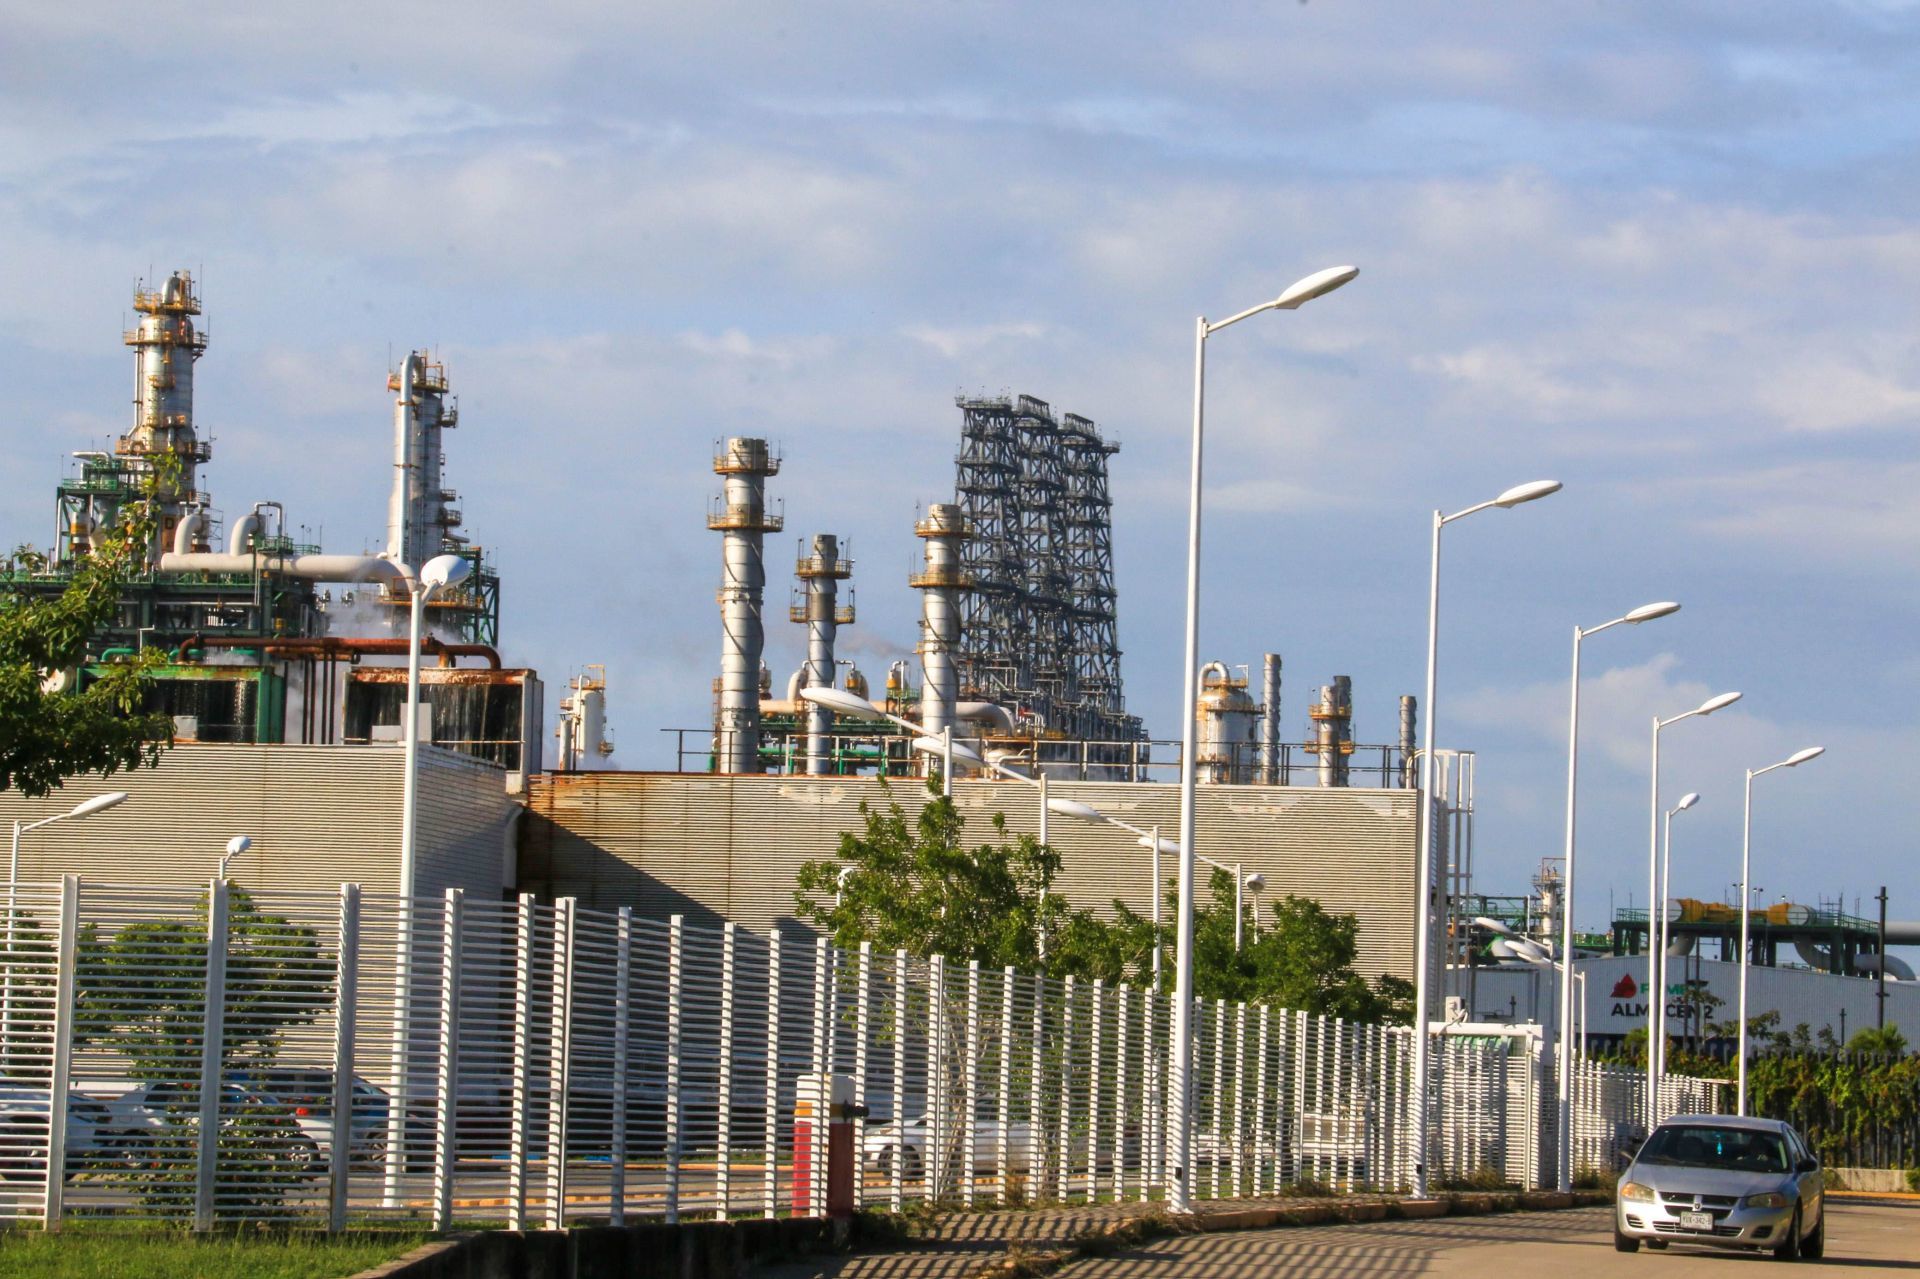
{"x":543,"y":1064}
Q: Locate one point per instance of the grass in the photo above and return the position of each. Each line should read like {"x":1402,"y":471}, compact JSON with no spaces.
{"x":80,"y":1252}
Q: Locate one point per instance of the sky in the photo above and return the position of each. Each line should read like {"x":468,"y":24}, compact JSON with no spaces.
{"x":1665,"y":254}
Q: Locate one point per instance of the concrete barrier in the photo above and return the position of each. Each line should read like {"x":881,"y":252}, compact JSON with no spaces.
{"x":650,"y":1250}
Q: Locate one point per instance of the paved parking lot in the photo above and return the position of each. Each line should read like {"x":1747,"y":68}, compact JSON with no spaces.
{"x":1546,"y":1245}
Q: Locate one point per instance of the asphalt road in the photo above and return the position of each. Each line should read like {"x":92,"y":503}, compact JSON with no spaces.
{"x":1546,"y":1245}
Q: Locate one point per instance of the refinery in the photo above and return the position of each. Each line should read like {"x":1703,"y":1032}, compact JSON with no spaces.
{"x":285,"y":662}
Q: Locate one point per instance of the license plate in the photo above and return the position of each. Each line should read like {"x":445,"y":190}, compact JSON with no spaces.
{"x":1696,"y":1221}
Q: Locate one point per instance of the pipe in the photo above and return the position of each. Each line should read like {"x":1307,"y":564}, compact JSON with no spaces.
{"x":1333,"y":730}
{"x":1897,"y":968}
{"x":985,"y":713}
{"x":239,"y":540}
{"x":1270,"y":720}
{"x":331,"y":646}
{"x":313,"y":568}
{"x":186,"y":530}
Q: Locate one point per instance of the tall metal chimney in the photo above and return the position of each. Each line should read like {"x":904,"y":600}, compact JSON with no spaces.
{"x":820,"y":576}
{"x":1270,"y":721}
{"x":1332,"y":719}
{"x":420,"y":521}
{"x":1409,"y":717}
{"x":741,"y":515}
{"x":165,"y":345}
{"x":940,"y":584}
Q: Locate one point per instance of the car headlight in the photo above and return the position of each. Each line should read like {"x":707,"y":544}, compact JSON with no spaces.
{"x":1772,"y":1199}
{"x":1634,"y":1192}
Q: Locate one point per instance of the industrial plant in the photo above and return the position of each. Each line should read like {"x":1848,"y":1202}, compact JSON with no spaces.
{"x":284,"y":675}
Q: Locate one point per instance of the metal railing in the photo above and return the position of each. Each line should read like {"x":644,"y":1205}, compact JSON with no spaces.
{"x":359,"y":1058}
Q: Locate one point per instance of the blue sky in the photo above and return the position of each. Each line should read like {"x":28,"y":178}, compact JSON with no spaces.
{"x":1663,"y":253}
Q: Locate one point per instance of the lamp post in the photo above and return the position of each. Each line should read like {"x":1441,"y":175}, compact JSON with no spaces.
{"x":1424,"y":832}
{"x":1746,"y":906}
{"x":1707,"y":707}
{"x":85,"y":808}
{"x":1179,"y":1193}
{"x":1645,"y":613}
{"x":438,"y":572}
{"x":1150,"y":839}
{"x":235,"y":846}
{"x":1659,"y":1038}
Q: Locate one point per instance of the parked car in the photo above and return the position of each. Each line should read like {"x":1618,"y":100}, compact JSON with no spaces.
{"x":23,"y":1131}
{"x":146,"y":1121}
{"x":309,"y":1092}
{"x":1726,"y":1182}
{"x":884,"y":1141}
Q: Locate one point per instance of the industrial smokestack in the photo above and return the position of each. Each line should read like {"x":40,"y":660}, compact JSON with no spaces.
{"x":420,"y":522}
{"x":1270,"y":721}
{"x":820,"y":576}
{"x":1333,"y":730}
{"x":940,"y":584}
{"x":1409,"y":719}
{"x":741,"y":516}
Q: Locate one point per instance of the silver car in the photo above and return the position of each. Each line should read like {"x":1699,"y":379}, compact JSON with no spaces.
{"x":1725,"y":1182}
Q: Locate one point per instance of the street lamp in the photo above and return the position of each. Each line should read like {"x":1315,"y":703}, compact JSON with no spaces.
{"x":438,"y":572}
{"x":1645,"y":613}
{"x":1424,"y":833}
{"x":85,"y":808}
{"x":1659,"y":1038}
{"x":235,"y":846}
{"x":1707,"y":707}
{"x":1746,"y":906}
{"x":1302,"y":291}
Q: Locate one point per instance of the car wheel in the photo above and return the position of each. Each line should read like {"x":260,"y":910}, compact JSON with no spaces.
{"x":1789,"y":1249}
{"x":1624,"y":1242}
{"x":1814,"y":1246}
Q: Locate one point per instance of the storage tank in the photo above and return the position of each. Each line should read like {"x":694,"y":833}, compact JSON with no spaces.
{"x":1226,"y":727}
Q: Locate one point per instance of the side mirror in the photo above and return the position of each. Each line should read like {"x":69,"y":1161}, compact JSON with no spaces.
{"x":1808,"y":1165}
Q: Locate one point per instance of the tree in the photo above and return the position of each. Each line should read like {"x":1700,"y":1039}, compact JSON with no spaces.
{"x":49,"y":733}
{"x":916,"y":885}
{"x":1881,"y":1040}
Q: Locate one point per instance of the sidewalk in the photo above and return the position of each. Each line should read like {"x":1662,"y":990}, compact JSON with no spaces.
{"x":959,"y":1245}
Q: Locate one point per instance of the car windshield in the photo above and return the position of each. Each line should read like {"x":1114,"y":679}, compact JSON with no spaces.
{"x":1704,"y":1146}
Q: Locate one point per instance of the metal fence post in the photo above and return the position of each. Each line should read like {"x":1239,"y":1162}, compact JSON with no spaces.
{"x":1063,"y":1174}
{"x":676,"y":990}
{"x":933,"y":1161}
{"x":1120,"y":1094}
{"x":1239,"y":1098}
{"x":1261,"y":1151}
{"x":67,"y":966}
{"x":622,"y":1051}
{"x":1155,"y":1079}
{"x":822,"y":1064}
{"x":213,"y":1036}
{"x":1094,"y":1083}
{"x":560,"y":1062}
{"x":1003,"y":1092}
{"x":896,"y":1188}
{"x":770,"y":1159}
{"x":970,"y":1073}
{"x":1220,"y":1135}
{"x":448,"y":1069}
{"x":525,"y":922}
{"x":862,"y":1027}
{"x":1036,"y":1111}
{"x":723,"y":1102}
{"x":346,"y":1012}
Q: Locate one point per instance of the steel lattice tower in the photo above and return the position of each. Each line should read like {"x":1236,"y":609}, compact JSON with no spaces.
{"x":1039,"y":628}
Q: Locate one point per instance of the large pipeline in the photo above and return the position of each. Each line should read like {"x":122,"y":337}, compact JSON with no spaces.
{"x":312,"y":568}
{"x":338,"y":646}
{"x":1270,"y":720}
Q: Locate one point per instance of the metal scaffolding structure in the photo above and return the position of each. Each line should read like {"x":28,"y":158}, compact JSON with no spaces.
{"x":1038,"y":630}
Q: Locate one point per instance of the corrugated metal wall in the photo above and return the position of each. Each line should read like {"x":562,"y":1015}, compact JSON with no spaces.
{"x":318,"y":816}
{"x":728,"y":847}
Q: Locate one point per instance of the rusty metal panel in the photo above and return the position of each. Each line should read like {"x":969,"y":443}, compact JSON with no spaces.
{"x":716,"y":847}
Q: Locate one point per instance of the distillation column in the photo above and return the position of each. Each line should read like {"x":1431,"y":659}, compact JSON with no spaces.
{"x":420,"y":521}
{"x":940,"y":583}
{"x":1409,"y":747}
{"x":741,"y":516}
{"x":165,"y":345}
{"x":820,"y":576}
{"x":1270,"y":720}
{"x":1332,"y":719}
